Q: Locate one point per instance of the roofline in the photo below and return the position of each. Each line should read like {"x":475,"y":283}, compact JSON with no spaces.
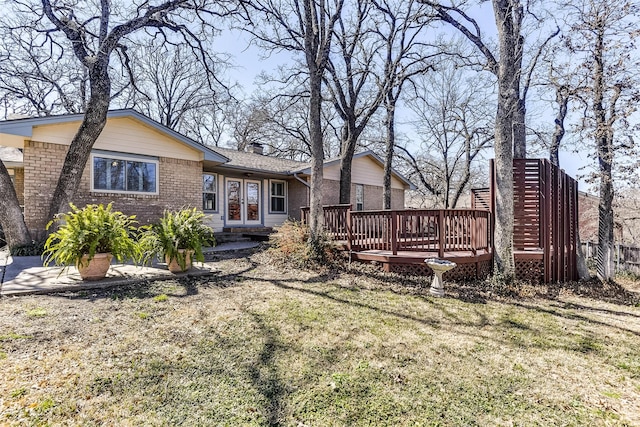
{"x":24,"y":127}
{"x":366,"y":153}
{"x":247,"y":169}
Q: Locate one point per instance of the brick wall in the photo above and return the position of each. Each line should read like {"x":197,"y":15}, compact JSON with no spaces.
{"x":372,"y":196}
{"x":42,"y":164}
{"x":298,"y":196}
{"x":180,"y":184}
{"x":330,"y":192}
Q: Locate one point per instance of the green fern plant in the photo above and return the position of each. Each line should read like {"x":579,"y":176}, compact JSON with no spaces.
{"x":88,"y":231}
{"x":175,"y":234}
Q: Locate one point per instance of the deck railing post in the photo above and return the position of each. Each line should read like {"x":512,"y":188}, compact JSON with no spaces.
{"x":349,"y":232}
{"x":441,"y":237}
{"x":394,"y":232}
{"x":474,"y":231}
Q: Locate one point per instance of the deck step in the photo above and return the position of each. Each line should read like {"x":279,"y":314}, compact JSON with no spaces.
{"x":242,"y":230}
{"x":226,"y":237}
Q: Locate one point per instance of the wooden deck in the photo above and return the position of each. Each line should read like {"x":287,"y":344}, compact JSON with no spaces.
{"x":545,"y":230}
{"x":401,"y":240}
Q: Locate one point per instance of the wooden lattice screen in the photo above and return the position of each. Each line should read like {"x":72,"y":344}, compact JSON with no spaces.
{"x":545,"y":218}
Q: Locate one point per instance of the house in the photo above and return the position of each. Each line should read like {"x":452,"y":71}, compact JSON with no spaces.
{"x":144,"y":168}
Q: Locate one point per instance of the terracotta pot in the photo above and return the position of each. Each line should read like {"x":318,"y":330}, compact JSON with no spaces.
{"x":173,"y":265}
{"x":95,"y":269}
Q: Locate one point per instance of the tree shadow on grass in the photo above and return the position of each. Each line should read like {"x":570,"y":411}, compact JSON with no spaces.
{"x":264,"y":373}
{"x":453,"y":320}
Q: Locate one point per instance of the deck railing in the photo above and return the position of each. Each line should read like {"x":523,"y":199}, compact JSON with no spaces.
{"x":426,"y":230}
{"x":335,"y":220}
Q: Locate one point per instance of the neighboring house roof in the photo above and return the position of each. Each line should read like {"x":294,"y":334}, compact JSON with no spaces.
{"x":11,"y":156}
{"x":24,"y":127}
{"x":258,"y":162}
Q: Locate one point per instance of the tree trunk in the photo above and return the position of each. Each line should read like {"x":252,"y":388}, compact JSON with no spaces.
{"x":519,"y":130}
{"x":562,"y":98}
{"x":15,"y":230}
{"x":349,"y":141}
{"x":317,"y":159}
{"x":95,"y":118}
{"x":388,"y":161}
{"x":508,"y":14}
{"x":581,"y":261}
{"x":503,"y":232}
{"x":604,"y":142}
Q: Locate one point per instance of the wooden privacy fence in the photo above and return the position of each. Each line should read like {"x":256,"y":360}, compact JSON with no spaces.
{"x":627,"y":258}
{"x":545,"y":223}
{"x":419,"y":230}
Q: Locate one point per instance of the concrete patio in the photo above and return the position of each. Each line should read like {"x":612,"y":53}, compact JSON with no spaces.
{"x":26,"y":275}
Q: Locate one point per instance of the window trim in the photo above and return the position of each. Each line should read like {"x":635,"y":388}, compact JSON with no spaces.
{"x":217,"y":193}
{"x":125,"y":157}
{"x":285,"y":197}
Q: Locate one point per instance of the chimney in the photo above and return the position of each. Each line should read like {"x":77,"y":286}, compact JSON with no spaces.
{"x":256,"y":148}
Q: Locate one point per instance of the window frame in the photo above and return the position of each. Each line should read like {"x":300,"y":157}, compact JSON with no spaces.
{"x":124,"y":157}
{"x":356,"y":197}
{"x":284,"y":197}
{"x":216,"y":192}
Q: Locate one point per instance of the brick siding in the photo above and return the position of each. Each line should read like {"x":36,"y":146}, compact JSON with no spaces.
{"x":372,"y":195}
{"x":179,"y":186}
{"x":298,"y":196}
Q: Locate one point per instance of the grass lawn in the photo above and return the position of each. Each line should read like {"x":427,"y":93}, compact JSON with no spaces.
{"x":261,"y":345}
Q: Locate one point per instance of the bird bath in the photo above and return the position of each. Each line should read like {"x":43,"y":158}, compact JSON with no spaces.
{"x":439,"y":266}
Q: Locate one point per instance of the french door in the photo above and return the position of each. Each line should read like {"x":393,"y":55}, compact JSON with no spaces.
{"x":243,"y":202}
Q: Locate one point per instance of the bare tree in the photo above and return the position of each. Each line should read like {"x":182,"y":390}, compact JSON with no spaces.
{"x":305,"y":27}
{"x":454,"y":124}
{"x":602,"y":39}
{"x":94,"y":36}
{"x":351,"y":82}
{"x":169,"y":81}
{"x":400,"y":24}
{"x":40,"y":79}
{"x":506,"y":63}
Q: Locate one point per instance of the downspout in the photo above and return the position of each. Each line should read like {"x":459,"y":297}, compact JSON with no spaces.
{"x":295,"y":175}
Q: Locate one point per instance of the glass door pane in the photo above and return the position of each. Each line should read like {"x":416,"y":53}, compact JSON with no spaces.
{"x":234,"y":198}
{"x":253,"y":201}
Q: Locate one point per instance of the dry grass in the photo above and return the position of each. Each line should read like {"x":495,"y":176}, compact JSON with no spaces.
{"x":262,"y":345}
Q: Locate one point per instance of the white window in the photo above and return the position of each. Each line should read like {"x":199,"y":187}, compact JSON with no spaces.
{"x":209,"y":192}
{"x":121,"y":174}
{"x":278,"y":197}
{"x":359,"y":197}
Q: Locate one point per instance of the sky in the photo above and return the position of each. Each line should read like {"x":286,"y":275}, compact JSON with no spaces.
{"x":250,"y":61}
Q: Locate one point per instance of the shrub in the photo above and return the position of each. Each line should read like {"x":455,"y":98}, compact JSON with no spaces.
{"x":35,"y":248}
{"x":291,"y":244}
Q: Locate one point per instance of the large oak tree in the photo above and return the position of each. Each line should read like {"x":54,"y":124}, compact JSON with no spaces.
{"x":95,"y":35}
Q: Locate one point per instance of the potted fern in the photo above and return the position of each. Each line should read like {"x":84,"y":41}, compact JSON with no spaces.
{"x":177,"y":238}
{"x":89,"y":238}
